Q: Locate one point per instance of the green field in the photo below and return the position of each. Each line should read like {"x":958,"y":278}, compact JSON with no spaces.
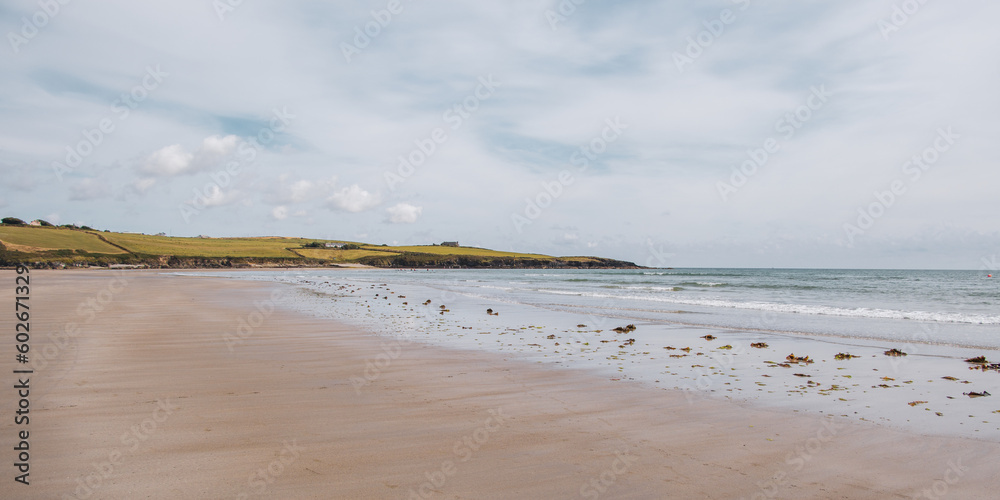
{"x":54,"y":247}
{"x":207,"y":247}
{"x":443,"y":250}
{"x":49,"y":238}
{"x":341,"y":255}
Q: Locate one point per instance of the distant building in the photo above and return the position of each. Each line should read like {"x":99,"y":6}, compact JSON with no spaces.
{"x":334,"y":245}
{"x":161,"y":234}
{"x":35,"y":223}
{"x":449,"y":244}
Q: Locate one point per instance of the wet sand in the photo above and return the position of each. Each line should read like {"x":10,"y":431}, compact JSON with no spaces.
{"x":184,"y":387}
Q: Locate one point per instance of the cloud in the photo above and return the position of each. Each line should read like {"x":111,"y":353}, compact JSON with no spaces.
{"x":403,"y":213}
{"x":218,"y":146}
{"x":216,"y":197}
{"x":280,"y":212}
{"x":168,"y":161}
{"x":286,"y":192}
{"x":172,"y":160}
{"x":567,"y":239}
{"x":89,"y":189}
{"x":353,"y":199}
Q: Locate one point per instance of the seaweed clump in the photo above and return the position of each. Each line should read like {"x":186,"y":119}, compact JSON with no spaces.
{"x":792,"y":358}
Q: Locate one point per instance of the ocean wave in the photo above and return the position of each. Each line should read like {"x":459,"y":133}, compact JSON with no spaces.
{"x":703,"y":283}
{"x":860,"y":312}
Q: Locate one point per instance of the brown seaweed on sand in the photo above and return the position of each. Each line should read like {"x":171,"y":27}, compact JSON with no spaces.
{"x":709,"y":337}
{"x":792,"y":358}
{"x":915,"y":403}
{"x":977,"y":394}
{"x":894,"y":352}
{"x":759,"y":345}
{"x":843,"y":356}
{"x":986,"y":366}
{"x":977,"y":359}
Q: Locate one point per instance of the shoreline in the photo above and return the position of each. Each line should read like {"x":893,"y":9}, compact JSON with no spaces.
{"x":414,"y":418}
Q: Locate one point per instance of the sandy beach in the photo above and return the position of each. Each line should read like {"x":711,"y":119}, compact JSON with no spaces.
{"x":188,"y":387}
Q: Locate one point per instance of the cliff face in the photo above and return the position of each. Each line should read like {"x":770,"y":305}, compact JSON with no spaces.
{"x":67,"y":258}
{"x":471,"y":261}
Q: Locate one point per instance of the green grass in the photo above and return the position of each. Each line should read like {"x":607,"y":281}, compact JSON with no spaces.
{"x":47,"y":244}
{"x":50,"y":238}
{"x":443,"y":250}
{"x":207,"y":247}
{"x":341,"y":255}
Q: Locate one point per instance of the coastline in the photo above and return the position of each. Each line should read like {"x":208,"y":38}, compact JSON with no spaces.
{"x":325,"y":410}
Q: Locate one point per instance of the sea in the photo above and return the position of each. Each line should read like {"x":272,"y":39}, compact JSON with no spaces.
{"x":712,"y":332}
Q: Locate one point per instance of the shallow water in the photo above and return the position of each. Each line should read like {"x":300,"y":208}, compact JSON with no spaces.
{"x":566,"y":319}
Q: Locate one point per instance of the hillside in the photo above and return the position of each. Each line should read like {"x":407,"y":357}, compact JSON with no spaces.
{"x":71,"y":246}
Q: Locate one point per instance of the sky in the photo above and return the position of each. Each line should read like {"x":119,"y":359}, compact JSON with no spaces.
{"x":730,"y":133}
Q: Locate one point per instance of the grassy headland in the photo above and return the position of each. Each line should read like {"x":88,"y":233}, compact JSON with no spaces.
{"x":49,"y":246}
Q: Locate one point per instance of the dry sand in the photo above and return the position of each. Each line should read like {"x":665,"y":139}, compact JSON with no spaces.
{"x":149,"y":401}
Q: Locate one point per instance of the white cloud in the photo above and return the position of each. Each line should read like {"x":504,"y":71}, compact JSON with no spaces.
{"x":354,"y":199}
{"x":172,"y":160}
{"x":280,"y":212}
{"x":168,"y":161}
{"x":606,"y":60}
{"x":218,"y":146}
{"x":404,"y":213}
{"x":216,"y":197}
{"x":286,"y":192}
